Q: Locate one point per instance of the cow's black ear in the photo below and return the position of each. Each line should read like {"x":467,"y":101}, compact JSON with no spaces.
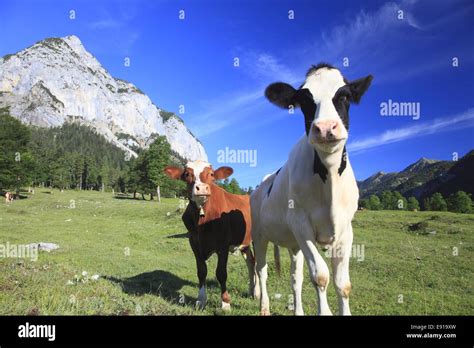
{"x":280,"y":94}
{"x":359,"y":87}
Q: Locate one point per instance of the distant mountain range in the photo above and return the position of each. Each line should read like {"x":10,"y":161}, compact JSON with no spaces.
{"x":423,"y":178}
{"x":57,"y":80}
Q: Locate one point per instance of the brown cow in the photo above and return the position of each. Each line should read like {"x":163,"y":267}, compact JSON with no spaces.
{"x":8,"y":197}
{"x":217,"y":221}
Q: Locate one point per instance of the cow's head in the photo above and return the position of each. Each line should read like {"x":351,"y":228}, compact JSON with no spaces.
{"x":199,"y":177}
{"x":324,"y":98}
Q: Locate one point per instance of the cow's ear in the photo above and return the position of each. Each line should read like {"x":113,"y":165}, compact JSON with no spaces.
{"x":281,"y":94}
{"x":222,"y":173}
{"x":359,"y":87}
{"x":174,"y":172}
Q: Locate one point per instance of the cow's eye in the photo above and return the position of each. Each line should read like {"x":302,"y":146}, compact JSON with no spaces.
{"x":343,"y":99}
{"x":212,"y":174}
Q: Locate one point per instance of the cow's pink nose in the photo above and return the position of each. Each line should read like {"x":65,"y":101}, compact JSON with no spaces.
{"x":326,"y":129}
{"x":202,"y":189}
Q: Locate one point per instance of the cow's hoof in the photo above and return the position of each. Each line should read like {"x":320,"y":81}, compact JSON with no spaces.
{"x":225,"y":306}
{"x":255,"y":293}
{"x":265,"y":312}
{"x":202,"y":298}
{"x":200,"y":305}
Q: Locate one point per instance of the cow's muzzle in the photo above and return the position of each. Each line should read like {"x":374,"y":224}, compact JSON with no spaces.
{"x":201,"y":189}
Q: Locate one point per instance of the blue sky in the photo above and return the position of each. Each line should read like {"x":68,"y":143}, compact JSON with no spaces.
{"x":190,"y":62}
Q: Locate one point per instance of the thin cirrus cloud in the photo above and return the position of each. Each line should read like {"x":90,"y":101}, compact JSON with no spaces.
{"x":237,"y":105}
{"x":462,"y":120}
{"x":263,"y":66}
{"x":243,"y":106}
{"x":330,"y":45}
{"x":128,"y":35}
{"x":372,"y":40}
{"x":105,"y":24}
{"x":118,"y":20}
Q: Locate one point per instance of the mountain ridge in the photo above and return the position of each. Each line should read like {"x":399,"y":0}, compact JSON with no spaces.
{"x":56,"y":80}
{"x":423,"y":178}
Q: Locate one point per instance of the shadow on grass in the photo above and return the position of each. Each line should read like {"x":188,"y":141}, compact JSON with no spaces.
{"x":178,"y":235}
{"x":129,"y":197}
{"x":161,"y":283}
{"x":158,"y":282}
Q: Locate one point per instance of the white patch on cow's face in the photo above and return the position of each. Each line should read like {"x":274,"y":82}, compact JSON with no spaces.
{"x":198,"y":167}
{"x":323,"y":85}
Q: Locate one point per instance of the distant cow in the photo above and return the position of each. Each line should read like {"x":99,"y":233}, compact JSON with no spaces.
{"x":313,"y":197}
{"x":217,"y":221}
{"x":9,"y":197}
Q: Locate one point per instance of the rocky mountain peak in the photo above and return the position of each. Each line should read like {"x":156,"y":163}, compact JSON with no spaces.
{"x":57,"y":80}
{"x":419,"y":165}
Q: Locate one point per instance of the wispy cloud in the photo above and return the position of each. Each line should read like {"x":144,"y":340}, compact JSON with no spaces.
{"x":459,"y":121}
{"x":235,"y":105}
{"x":358,"y":39}
{"x":365,"y":39}
{"x":119,"y":20}
{"x":368,"y":37}
{"x":265,"y":66}
{"x":259,"y":65}
{"x":105,"y":24}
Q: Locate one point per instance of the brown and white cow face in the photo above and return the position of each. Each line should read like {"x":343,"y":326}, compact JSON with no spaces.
{"x":199,"y":177}
{"x":8,"y":197}
{"x":324,"y":99}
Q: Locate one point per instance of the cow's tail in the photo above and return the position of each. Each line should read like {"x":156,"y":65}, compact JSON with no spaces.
{"x":276,"y":257}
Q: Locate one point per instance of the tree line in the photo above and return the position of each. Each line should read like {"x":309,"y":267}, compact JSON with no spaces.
{"x":459,"y":202}
{"x":233,"y":186}
{"x":74,"y":156}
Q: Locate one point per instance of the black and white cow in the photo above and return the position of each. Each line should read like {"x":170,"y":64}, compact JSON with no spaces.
{"x":313,"y":197}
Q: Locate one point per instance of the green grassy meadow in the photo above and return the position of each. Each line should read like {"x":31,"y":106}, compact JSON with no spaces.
{"x":146,"y":266}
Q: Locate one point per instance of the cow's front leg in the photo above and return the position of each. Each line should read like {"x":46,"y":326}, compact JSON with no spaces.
{"x":221,"y":274}
{"x":297,"y":260}
{"x":318,"y":269}
{"x":340,"y":267}
{"x":201,"y":273}
{"x":260,"y":249}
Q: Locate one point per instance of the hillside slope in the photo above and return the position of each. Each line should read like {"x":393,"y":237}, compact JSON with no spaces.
{"x":423,"y":178}
{"x":57,"y":80}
